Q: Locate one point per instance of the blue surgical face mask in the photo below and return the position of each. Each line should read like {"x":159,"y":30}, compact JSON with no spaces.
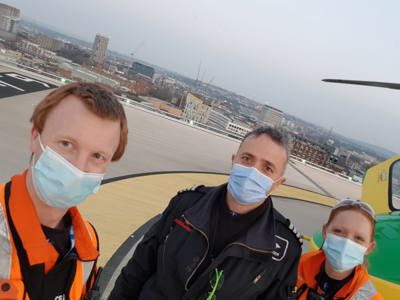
{"x":343,"y":254}
{"x":59,"y":183}
{"x":247,"y":185}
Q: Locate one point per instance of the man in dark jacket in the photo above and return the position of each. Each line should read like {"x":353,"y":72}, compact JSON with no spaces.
{"x":225,"y":242}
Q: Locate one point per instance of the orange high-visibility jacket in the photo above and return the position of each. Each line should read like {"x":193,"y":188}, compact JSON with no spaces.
{"x":359,"y":287}
{"x":38,"y":250}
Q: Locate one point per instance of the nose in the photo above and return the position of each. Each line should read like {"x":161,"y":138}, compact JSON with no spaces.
{"x":81,"y":161}
{"x":348,"y":236}
{"x":259,"y":166}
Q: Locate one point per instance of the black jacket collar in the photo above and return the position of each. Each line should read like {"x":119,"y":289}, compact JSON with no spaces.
{"x":260,"y":236}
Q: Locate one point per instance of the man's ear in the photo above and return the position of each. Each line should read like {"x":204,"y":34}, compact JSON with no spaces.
{"x":32,"y":142}
{"x":277,"y":184}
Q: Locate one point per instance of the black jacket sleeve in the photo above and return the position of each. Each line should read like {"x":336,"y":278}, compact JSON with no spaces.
{"x":284,"y":286}
{"x":142,"y":265}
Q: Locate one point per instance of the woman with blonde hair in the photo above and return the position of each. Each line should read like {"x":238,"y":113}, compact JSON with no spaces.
{"x":337,"y":270}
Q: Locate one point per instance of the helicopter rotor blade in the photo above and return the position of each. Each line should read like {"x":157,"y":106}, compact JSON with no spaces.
{"x":388,"y":85}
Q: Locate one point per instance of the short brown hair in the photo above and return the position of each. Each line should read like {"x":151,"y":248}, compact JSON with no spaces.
{"x":336,"y":211}
{"x":97,"y":98}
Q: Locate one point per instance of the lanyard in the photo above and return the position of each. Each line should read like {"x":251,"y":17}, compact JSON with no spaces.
{"x":72,"y":238}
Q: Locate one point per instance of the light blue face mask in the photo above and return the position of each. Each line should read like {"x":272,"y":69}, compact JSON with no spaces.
{"x":343,"y":254}
{"x":59,"y":183}
{"x":247,"y":185}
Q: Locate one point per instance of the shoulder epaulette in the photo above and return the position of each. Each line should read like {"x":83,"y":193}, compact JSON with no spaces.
{"x":294,"y":230}
{"x":289,"y":225}
{"x":190,"y":189}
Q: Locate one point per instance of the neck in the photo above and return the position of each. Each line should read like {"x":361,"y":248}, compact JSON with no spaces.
{"x":334,"y":274}
{"x":48,"y":216}
{"x":237,"y":207}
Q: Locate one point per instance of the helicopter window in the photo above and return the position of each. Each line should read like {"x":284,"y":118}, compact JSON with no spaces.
{"x":395,"y":185}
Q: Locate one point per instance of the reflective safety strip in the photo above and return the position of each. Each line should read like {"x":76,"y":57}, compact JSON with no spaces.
{"x":367,"y":291}
{"x":87,"y":267}
{"x":5,"y":247}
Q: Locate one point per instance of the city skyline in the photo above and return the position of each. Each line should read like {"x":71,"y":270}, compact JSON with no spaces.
{"x":277,"y":55}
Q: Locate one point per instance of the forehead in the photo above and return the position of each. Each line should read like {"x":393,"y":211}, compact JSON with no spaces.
{"x":352,"y":220}
{"x":71,"y":118}
{"x":264,"y":147}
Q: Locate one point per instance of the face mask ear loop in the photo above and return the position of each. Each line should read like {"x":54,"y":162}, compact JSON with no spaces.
{"x":33,"y":158}
{"x":40,"y":143}
{"x":322,"y":245}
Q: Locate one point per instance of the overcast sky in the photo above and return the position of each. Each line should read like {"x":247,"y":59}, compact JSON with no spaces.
{"x":275,"y":52}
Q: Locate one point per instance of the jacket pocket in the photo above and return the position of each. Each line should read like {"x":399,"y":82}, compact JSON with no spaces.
{"x":249,"y":290}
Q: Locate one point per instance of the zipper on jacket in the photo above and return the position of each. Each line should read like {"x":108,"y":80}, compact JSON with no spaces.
{"x":211,"y":266}
{"x":208,"y":246}
{"x":258,"y":277}
{"x":252,"y":249}
{"x":164,"y":248}
{"x":204,"y":256}
{"x":248,"y":285}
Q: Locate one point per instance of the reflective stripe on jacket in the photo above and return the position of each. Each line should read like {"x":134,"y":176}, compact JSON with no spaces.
{"x":39,"y":252}
{"x":359,"y":287}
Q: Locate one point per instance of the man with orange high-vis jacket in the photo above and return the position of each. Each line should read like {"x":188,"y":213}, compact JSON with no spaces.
{"x":47,"y":250}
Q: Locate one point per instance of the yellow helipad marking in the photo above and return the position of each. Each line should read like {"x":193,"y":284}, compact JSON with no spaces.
{"x":300,"y":194}
{"x":120,"y":207}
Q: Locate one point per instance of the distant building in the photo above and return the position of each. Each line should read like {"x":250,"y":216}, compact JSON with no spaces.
{"x":237,"y":130}
{"x":270,"y":116}
{"x":75,"y":54}
{"x":49,"y":43}
{"x":217,"y":120}
{"x":66,"y":74}
{"x":9,"y":19}
{"x":141,"y":69}
{"x":35,"y":50}
{"x":310,"y":152}
{"x":168,"y":109}
{"x":335,"y":166}
{"x":195,"y":110}
{"x":10,"y":55}
{"x":79,"y":73}
{"x":142,"y":85}
{"x":99,"y":48}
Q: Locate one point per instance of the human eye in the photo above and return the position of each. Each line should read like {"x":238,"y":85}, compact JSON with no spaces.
{"x":99,"y":157}
{"x":268,"y":170}
{"x":337,"y":231}
{"x":245,"y":158}
{"x":359,"y":238}
{"x":65,"y":144}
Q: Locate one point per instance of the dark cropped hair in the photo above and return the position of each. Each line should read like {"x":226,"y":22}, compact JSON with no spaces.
{"x":276,"y":135}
